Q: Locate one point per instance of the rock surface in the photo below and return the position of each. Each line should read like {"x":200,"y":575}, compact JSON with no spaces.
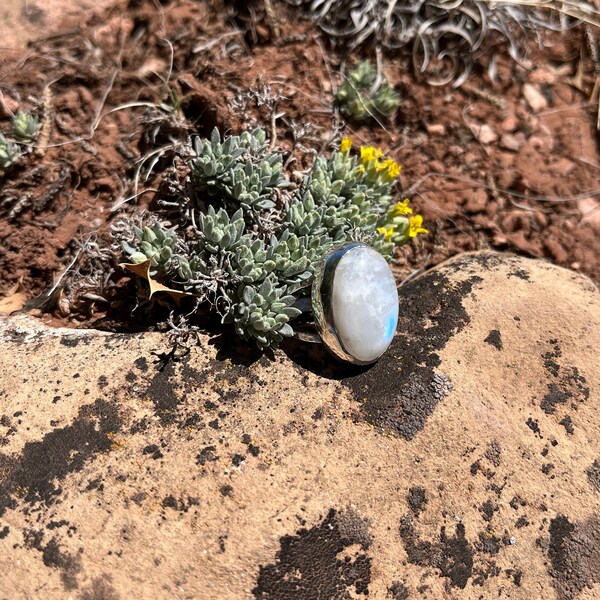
{"x":463,"y":464}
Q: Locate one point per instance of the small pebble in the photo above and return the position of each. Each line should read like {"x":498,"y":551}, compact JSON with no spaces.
{"x":563,"y":167}
{"x":485,"y":134}
{"x":534,"y":97}
{"x":436,"y":129}
{"x":437,"y":166}
{"x":509,"y":124}
{"x":510,"y":142}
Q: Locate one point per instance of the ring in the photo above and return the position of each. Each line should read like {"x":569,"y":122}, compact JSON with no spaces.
{"x":354,"y":301}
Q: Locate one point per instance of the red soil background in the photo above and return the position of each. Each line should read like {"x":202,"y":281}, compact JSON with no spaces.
{"x":509,"y":165}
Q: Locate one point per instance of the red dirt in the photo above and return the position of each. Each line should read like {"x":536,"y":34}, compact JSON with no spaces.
{"x":539,"y":199}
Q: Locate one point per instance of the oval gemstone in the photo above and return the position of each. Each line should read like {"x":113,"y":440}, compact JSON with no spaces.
{"x":364,"y":303}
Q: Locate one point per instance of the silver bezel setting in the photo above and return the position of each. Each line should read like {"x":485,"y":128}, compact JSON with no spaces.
{"x":321,"y":295}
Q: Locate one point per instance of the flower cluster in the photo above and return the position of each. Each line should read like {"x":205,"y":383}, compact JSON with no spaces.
{"x":361,"y":98}
{"x":401,"y":224}
{"x":247,"y":239}
{"x":369,"y":158}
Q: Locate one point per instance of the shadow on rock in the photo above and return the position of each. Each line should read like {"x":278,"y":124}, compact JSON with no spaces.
{"x":316,"y":359}
{"x":231,"y":347}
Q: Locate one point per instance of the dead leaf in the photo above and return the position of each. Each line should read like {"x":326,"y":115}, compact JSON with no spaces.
{"x":578,"y":80}
{"x":14,"y":300}
{"x":594,"y":98}
{"x":140,"y":269}
{"x":143,"y":270}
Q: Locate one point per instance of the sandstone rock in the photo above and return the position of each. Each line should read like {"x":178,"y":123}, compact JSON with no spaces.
{"x":464,"y":461}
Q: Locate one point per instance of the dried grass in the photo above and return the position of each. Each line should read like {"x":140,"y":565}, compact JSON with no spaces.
{"x":446,"y":36}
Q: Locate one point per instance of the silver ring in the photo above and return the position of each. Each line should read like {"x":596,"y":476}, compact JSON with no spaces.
{"x":356,"y":323}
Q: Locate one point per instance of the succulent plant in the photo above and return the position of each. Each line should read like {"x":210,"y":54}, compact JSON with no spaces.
{"x":305,"y":216}
{"x":25,"y":127}
{"x":219,"y":231}
{"x":263,"y":313}
{"x":252,"y":260}
{"x":155,"y":243}
{"x":253,"y":239}
{"x":240,"y":167}
{"x":355,"y":193}
{"x":362,"y":98}
{"x":214,"y":158}
{"x":9,"y":152}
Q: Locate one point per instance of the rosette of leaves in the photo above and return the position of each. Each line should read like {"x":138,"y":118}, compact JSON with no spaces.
{"x":214,"y":156}
{"x":25,"y":127}
{"x":155,"y":243}
{"x":305,"y":216}
{"x":263,"y":313}
{"x":219,"y":231}
{"x":296,"y":257}
{"x":362,"y":98}
{"x":9,"y":152}
{"x":239,"y":167}
{"x":252,"y":260}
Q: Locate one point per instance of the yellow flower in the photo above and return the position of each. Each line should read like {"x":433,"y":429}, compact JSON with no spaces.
{"x":345,"y":145}
{"x":414,"y":226}
{"x":368,"y":153}
{"x":400,"y":209}
{"x":392,"y":169}
{"x":388,"y":232}
{"x":384,"y":165}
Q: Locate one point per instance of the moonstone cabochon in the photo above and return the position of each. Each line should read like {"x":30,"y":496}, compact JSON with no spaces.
{"x":364,"y":303}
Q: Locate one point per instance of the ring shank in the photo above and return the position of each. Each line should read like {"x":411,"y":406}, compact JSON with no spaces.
{"x":305,"y":336}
